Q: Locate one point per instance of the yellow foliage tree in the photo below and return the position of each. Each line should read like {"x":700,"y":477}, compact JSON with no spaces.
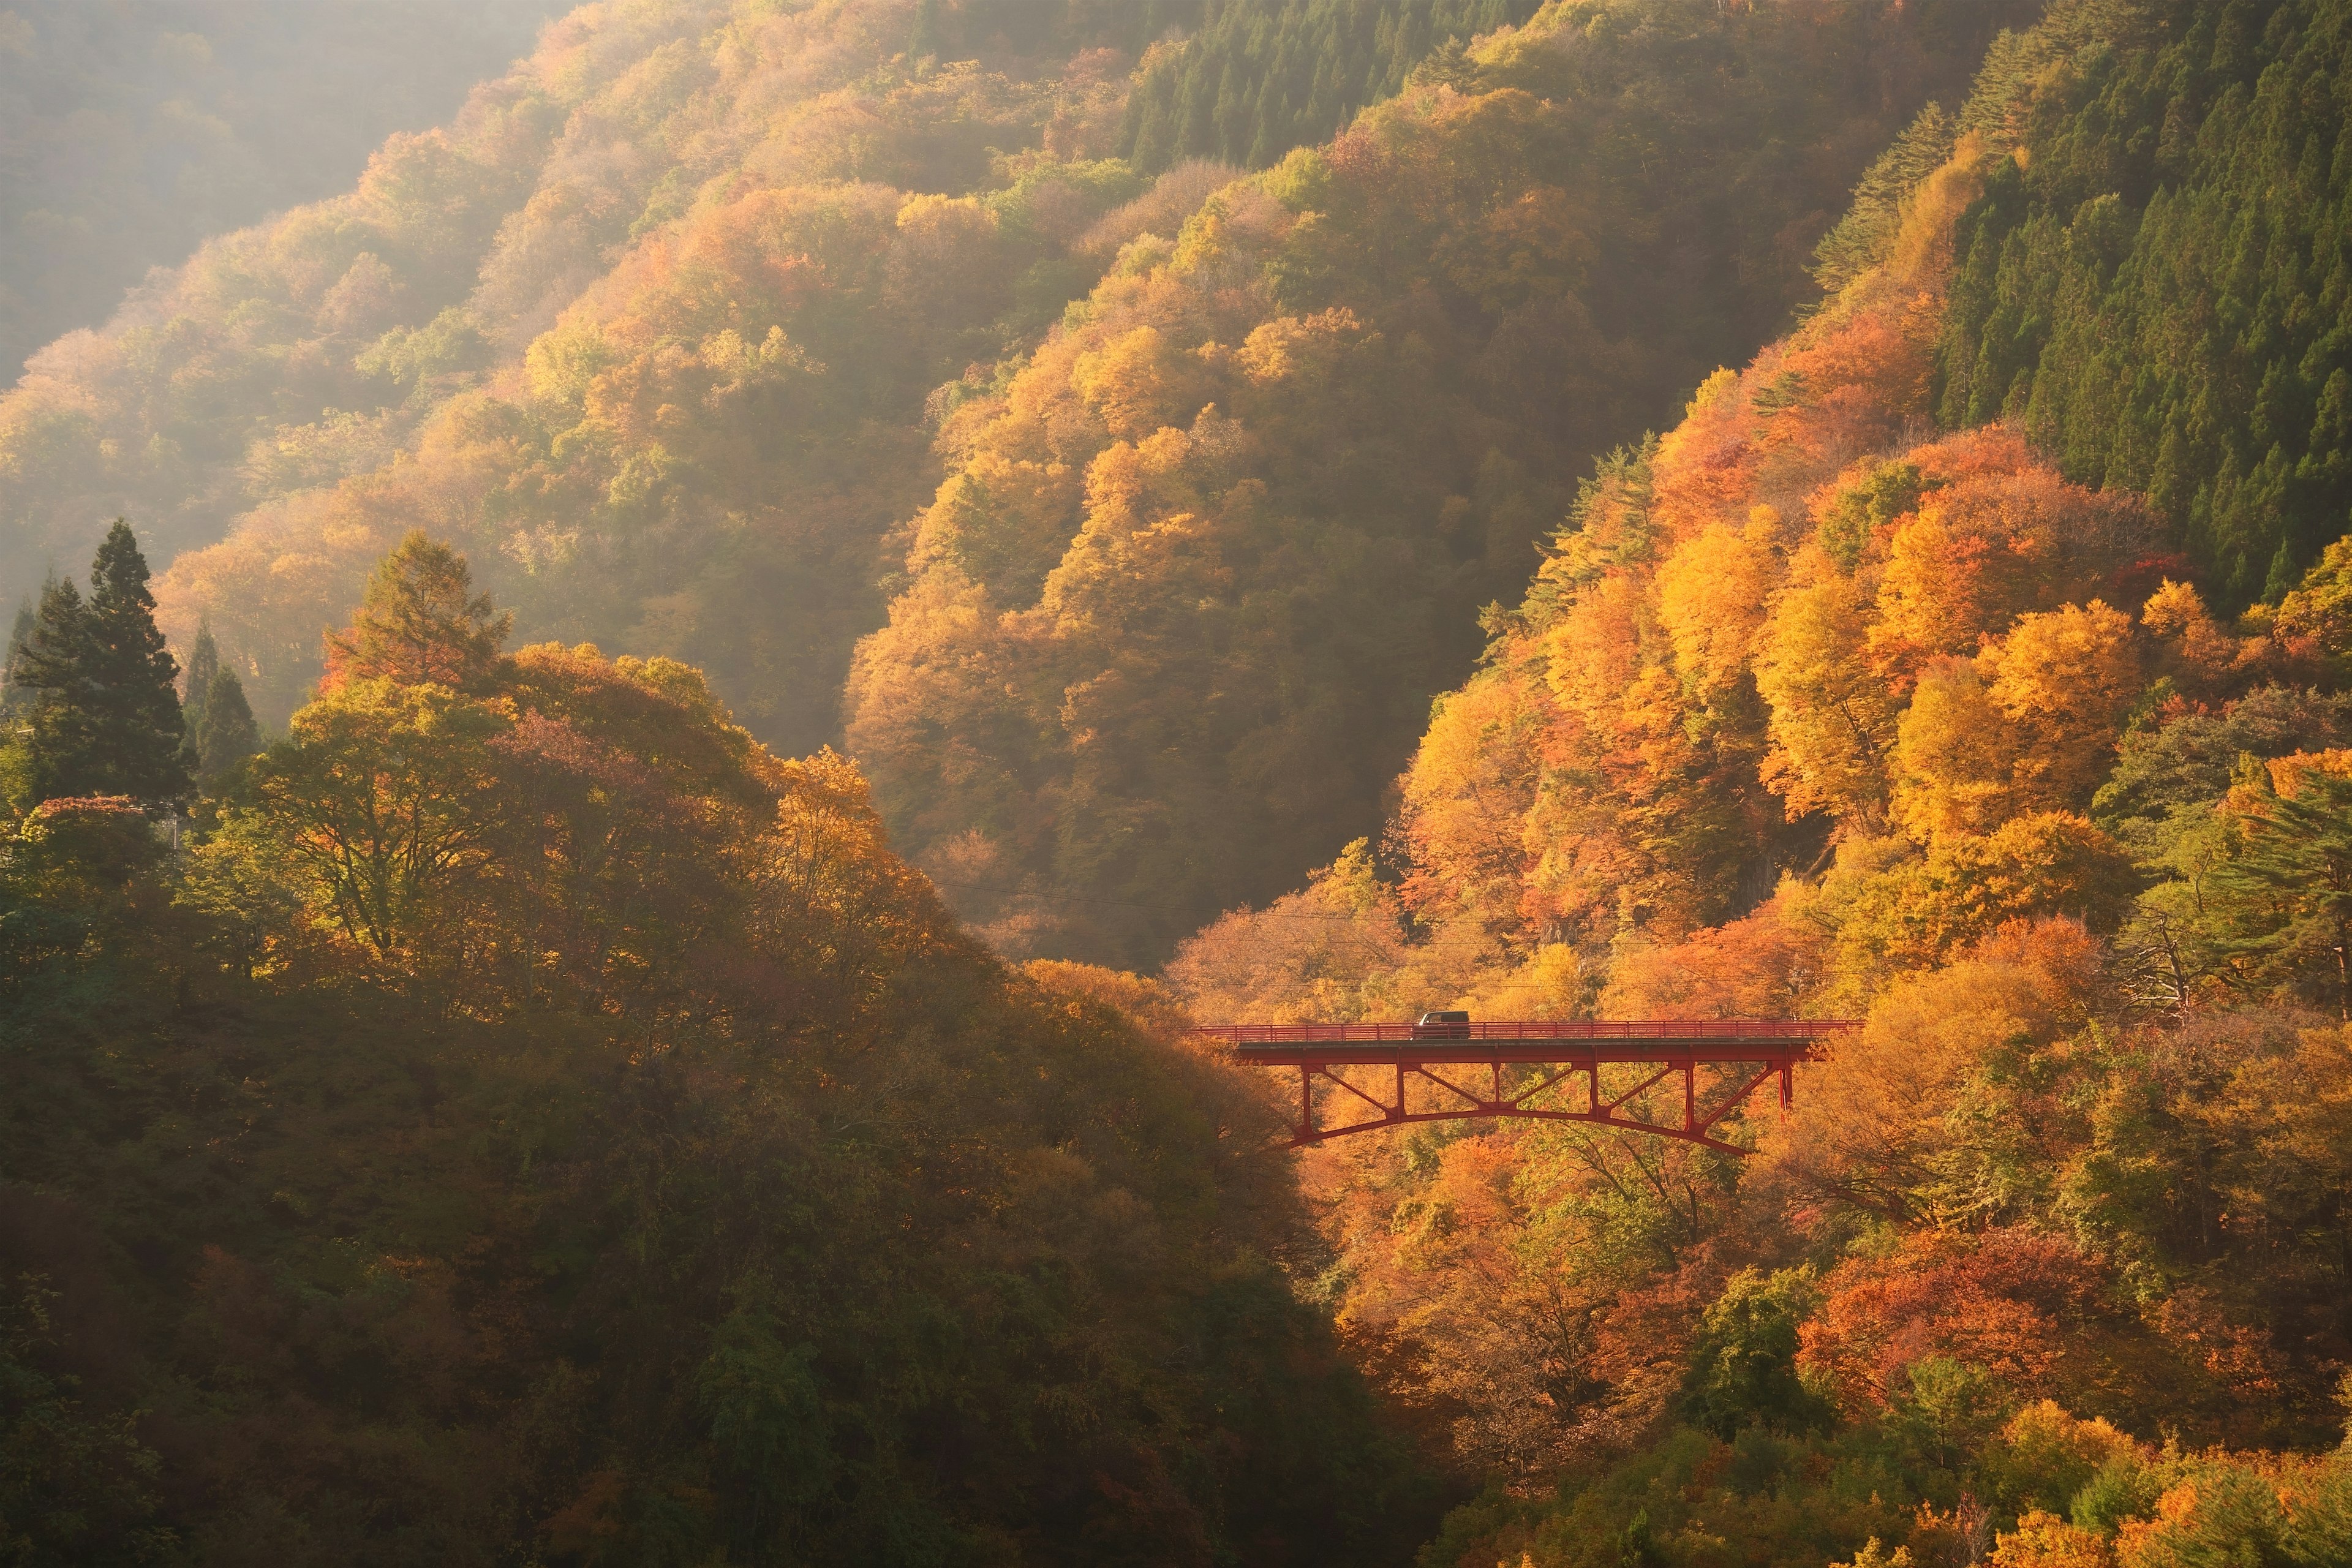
{"x":2064,"y":679}
{"x":1712,"y":596}
{"x":1832,"y":721}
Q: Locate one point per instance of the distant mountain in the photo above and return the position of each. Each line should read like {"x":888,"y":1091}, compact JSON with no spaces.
{"x":129,"y":132}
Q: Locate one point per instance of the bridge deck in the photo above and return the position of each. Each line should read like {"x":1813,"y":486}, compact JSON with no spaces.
{"x":1605,"y":1041}
{"x":1758,"y":1048}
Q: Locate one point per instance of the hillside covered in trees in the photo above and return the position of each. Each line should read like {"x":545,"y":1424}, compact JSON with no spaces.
{"x":466,"y":1096}
{"x":678,"y":328}
{"x":132,"y":130}
{"x":526,"y":1120}
{"x":1277,"y":464}
{"x":1843,"y":697}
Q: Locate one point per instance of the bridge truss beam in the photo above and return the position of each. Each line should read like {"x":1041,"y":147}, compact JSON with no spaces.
{"x":1736,"y":1057}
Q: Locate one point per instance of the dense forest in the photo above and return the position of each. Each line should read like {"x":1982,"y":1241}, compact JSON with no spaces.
{"x":1058,"y":474}
{"x":130,"y":130}
{"x":1842,"y":697}
{"x":678,"y":328}
{"x":1277,"y":464}
{"x":1261,"y":77}
{"x":526,"y":1120}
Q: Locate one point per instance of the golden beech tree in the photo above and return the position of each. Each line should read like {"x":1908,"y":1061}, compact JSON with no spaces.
{"x":2064,"y":679}
{"x":1955,"y":754}
{"x":1833,"y":723}
{"x":1466,"y":797}
{"x":1712,"y":592}
{"x":383,"y":801}
{"x":2028,"y":725}
{"x":1875,"y":1122}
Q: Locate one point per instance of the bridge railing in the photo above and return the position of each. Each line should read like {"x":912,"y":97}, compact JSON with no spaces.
{"x":1697,"y":1031}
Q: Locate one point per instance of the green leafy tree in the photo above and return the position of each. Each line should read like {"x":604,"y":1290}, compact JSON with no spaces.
{"x":1743,"y":1369}
{"x":2284,"y":899}
{"x":380,"y":802}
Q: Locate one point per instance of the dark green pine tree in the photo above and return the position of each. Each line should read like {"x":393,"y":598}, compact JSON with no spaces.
{"x":230,"y":735}
{"x":50,"y":671}
{"x":204,"y":663}
{"x":2284,"y":900}
{"x":12,"y":690}
{"x":139,"y":727}
{"x":106,"y":719}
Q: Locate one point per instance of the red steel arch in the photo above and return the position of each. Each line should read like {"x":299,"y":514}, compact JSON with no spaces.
{"x":1755,"y":1049}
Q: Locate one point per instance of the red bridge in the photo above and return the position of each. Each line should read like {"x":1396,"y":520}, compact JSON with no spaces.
{"x":1720,"y":1061}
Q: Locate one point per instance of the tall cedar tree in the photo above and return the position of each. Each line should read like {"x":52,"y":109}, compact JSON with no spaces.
{"x":204,"y":663}
{"x":228,"y":733}
{"x":420,"y":623}
{"x":48,"y":673}
{"x":11,"y":688}
{"x":2287,"y":899}
{"x":135,"y":727}
{"x":106,"y":716}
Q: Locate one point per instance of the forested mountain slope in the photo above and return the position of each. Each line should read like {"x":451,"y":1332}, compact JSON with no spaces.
{"x":130,"y":131}
{"x":1835,"y":700}
{"x":1197,"y":564}
{"x":1261,"y":77}
{"x":281,"y":360}
{"x":525,"y":1119}
{"x":665,"y":325}
{"x":2158,"y":295}
{"x":681,"y":208}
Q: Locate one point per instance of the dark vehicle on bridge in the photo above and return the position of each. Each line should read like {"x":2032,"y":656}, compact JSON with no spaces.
{"x":1442,"y":1026}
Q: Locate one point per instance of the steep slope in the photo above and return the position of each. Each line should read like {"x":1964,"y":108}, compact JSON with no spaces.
{"x":531,"y":1122}
{"x":1261,"y":77}
{"x":1174,"y":616}
{"x":130,"y":132}
{"x":1805,"y":619}
{"x":730,"y":180}
{"x":2158,"y":295}
{"x":236,"y":394}
{"x":1816,"y":706}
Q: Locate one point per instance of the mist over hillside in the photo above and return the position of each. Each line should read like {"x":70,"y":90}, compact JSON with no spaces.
{"x":133,"y":130}
{"x":681,"y":326}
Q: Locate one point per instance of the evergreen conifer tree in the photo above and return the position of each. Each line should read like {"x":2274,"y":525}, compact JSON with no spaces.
{"x":138,"y":728}
{"x":11,"y":688}
{"x":420,"y":623}
{"x":204,"y":663}
{"x":50,"y":670}
{"x":230,"y":735}
{"x":2285,"y":899}
{"x":105,"y":718}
